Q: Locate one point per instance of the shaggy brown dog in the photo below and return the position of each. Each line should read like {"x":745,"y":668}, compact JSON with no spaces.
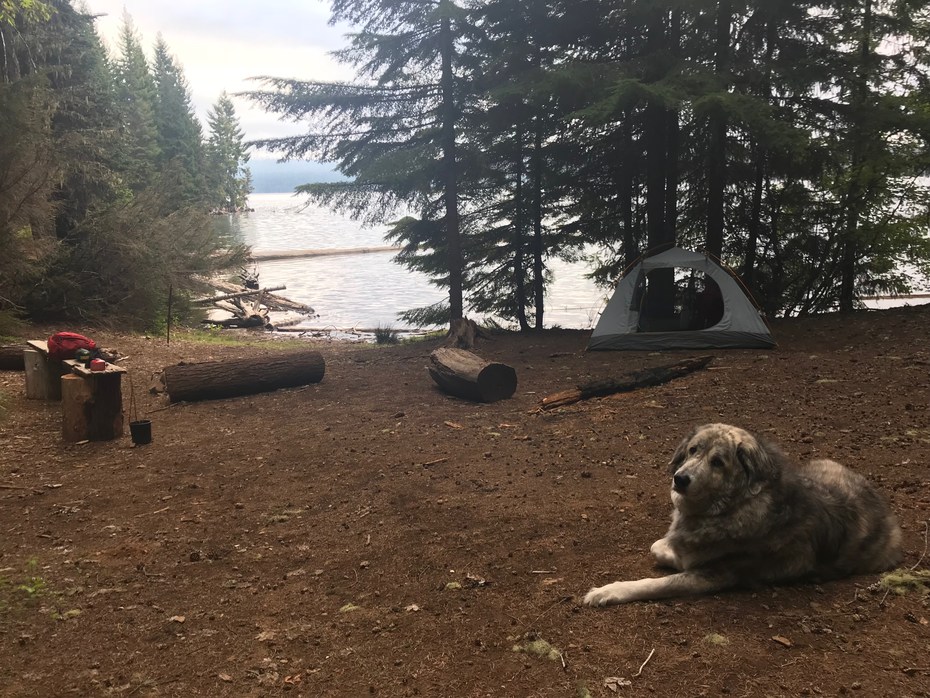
{"x":745,"y":516}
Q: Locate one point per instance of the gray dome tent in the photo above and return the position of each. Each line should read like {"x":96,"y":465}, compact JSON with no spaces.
{"x":623,"y":326}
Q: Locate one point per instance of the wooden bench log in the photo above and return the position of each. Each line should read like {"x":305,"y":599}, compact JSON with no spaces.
{"x":43,"y":374}
{"x":463,"y":374}
{"x":215,"y":380}
{"x":76,"y":405}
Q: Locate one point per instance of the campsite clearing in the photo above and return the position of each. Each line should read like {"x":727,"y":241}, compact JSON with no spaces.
{"x":370,"y":535}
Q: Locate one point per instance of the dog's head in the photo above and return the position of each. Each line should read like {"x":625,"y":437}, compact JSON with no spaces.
{"x":718,"y":465}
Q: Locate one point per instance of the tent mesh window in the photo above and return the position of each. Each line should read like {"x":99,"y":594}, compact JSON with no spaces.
{"x":696,"y":303}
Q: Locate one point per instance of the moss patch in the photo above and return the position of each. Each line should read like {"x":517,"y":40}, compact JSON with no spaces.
{"x":901,"y":581}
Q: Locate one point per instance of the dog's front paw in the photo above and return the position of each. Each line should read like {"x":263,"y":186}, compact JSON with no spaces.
{"x":664,"y":554}
{"x":618,"y":592}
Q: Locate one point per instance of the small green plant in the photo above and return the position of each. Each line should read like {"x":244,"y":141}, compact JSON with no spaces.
{"x":20,"y":591}
{"x":34,"y":586}
{"x":386,"y":335}
{"x":536,"y":646}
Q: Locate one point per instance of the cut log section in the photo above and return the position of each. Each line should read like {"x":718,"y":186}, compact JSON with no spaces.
{"x":11,"y":357}
{"x":645,"y":378}
{"x":215,"y":380}
{"x":463,"y":374}
{"x":77,"y":398}
{"x":92,"y":404}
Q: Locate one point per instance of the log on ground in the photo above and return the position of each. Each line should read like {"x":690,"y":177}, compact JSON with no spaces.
{"x":11,"y":357}
{"x":636,"y":380}
{"x":464,"y":374}
{"x":215,"y":380}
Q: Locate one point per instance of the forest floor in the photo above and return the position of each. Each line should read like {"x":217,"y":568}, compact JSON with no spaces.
{"x":369,"y":535}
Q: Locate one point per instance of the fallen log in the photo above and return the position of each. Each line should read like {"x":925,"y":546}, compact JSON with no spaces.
{"x":215,"y":380}
{"x":463,"y":374}
{"x":11,"y":357}
{"x":646,"y":378}
{"x":325,"y":252}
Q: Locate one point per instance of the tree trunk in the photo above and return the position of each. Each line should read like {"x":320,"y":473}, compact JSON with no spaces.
{"x":539,"y":286}
{"x":717,"y":155}
{"x":755,"y":223}
{"x":454,"y":259}
{"x":660,"y":299}
{"x":519,"y":272}
{"x":221,"y":379}
{"x":673,"y":140}
{"x":463,"y":374}
{"x":854,"y":202}
{"x":630,"y":248}
{"x":760,"y":158}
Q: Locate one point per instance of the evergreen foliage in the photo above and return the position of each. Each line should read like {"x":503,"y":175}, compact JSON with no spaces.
{"x":101,"y":173}
{"x":396,"y":134}
{"x":787,"y":138}
{"x":228,"y":179}
{"x":179,"y":135}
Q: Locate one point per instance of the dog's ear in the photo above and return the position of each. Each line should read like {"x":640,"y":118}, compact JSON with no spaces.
{"x":761,"y":462}
{"x":680,"y":453}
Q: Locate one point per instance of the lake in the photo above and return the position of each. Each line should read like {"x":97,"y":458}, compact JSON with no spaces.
{"x":368,"y":290}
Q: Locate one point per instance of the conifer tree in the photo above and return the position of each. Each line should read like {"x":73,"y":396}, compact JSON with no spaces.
{"x":135,"y":98}
{"x":396,"y":131}
{"x":178,"y":132}
{"x":226,"y":158}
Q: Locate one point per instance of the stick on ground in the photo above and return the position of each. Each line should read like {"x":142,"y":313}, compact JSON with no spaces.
{"x":645,"y":378}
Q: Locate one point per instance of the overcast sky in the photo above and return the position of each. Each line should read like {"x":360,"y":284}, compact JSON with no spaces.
{"x":222,"y":43}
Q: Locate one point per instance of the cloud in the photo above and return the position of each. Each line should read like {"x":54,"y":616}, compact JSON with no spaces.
{"x":220,"y":44}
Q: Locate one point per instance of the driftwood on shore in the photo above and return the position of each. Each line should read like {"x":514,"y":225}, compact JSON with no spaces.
{"x":463,"y":374}
{"x":271,"y":300}
{"x":323,"y":252}
{"x":249,"y":307}
{"x":635,"y":380}
{"x":213,"y":380}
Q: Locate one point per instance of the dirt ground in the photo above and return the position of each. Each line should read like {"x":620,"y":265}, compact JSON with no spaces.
{"x":368,"y":535}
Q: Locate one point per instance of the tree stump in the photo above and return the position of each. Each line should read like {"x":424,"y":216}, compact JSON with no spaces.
{"x":92,"y":405}
{"x":463,"y":374}
{"x":76,"y":405}
{"x":463,"y":333}
{"x":215,"y":380}
{"x":43,"y":375}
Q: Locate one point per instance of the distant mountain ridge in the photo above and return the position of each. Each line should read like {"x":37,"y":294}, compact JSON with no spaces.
{"x":272,"y":177}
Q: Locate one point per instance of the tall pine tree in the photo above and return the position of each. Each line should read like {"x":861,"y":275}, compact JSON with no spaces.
{"x":396,"y":131}
{"x":135,"y":98}
{"x":178,"y":132}
{"x":227,"y":157}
